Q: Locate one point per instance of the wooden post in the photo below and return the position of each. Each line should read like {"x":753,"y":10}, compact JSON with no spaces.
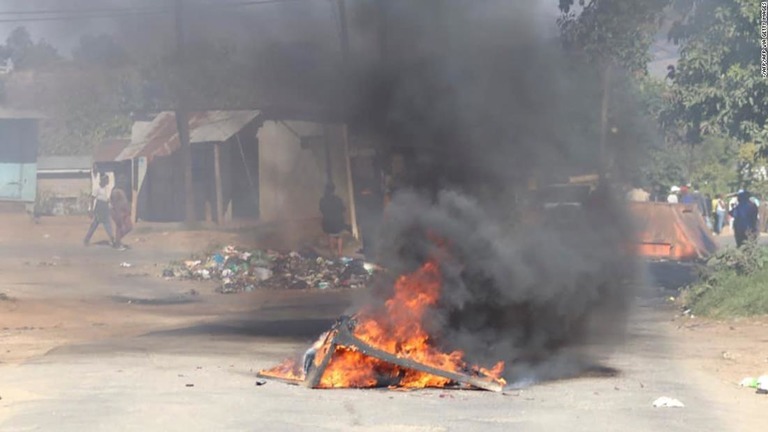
{"x":182,"y":117}
{"x":134,"y":191}
{"x":350,"y":184}
{"x":217,"y":173}
{"x":344,"y":41}
{"x":604,"y":162}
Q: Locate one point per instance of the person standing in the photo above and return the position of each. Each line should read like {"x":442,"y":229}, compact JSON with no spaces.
{"x":672,"y":197}
{"x":744,"y":219}
{"x":720,"y":212}
{"x":332,"y":209}
{"x":101,"y":214}
{"x":638,"y":194}
{"x":121,"y":214}
{"x":686,"y":197}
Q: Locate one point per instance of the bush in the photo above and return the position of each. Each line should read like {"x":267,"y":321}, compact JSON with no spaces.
{"x":734,"y":282}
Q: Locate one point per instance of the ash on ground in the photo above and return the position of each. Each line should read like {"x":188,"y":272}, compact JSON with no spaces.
{"x":246,"y":271}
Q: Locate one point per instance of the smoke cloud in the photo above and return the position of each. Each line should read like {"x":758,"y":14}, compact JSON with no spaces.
{"x":481,"y":100}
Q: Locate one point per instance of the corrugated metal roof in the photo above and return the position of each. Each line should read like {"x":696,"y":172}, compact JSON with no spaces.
{"x":160,"y":137}
{"x":64,"y":163}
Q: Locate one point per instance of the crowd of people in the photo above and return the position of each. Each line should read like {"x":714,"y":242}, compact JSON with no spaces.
{"x":744,"y":213}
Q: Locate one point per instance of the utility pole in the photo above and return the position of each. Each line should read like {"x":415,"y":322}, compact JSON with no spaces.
{"x":182,"y":116}
{"x":383,"y":30}
{"x":344,"y":41}
{"x":604,"y":162}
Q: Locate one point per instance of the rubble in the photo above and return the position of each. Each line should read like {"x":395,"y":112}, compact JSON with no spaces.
{"x":246,"y":271}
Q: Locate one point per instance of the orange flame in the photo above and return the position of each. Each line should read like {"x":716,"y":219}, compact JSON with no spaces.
{"x":397,"y":330}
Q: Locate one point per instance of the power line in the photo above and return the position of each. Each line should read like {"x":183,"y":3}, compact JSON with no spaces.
{"x":84,"y":16}
{"x":82,"y":11}
{"x":252,"y":3}
{"x":77,"y":13}
{"x":104,"y":13}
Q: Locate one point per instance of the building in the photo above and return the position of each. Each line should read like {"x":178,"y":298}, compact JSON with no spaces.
{"x":64,"y":184}
{"x":18,"y":155}
{"x":244,"y":167}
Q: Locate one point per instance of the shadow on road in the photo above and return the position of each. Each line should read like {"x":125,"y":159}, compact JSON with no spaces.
{"x":285,"y":328}
{"x":671,"y":275}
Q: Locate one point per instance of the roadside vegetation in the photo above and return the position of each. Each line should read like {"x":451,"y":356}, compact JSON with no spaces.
{"x":733,"y":283}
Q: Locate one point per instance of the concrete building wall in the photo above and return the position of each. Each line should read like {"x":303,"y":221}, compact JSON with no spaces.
{"x":291,"y":178}
{"x":65,"y":187}
{"x":63,"y":194}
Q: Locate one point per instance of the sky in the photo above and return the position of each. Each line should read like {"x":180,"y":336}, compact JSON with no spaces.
{"x":262,"y":21}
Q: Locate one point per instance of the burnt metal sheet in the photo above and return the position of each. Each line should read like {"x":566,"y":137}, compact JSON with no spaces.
{"x":671,"y":231}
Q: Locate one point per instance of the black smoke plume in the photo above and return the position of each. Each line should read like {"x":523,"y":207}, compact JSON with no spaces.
{"x":481,"y":101}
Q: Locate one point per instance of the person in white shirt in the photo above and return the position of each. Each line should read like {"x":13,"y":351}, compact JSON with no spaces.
{"x":672,"y":197}
{"x":101,"y":214}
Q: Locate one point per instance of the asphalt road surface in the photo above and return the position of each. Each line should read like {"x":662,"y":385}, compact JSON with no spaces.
{"x":91,"y":346}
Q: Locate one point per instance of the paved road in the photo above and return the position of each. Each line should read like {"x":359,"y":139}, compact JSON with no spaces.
{"x":141,"y":384}
{"x":192,"y":366}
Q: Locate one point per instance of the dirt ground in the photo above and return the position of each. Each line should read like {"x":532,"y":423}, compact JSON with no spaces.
{"x":88,"y":345}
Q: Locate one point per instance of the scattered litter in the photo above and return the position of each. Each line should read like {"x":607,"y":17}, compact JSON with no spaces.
{"x":667,"y":402}
{"x":190,"y":385}
{"x":260,"y":382}
{"x":749,"y":382}
{"x":760,"y":383}
{"x":247,"y":271}
{"x":126,"y":265}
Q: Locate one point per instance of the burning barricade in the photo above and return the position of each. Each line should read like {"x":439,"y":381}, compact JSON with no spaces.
{"x":389,"y":347}
{"x":240,"y":271}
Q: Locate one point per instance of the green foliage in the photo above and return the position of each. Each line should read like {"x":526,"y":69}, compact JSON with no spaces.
{"x":732,"y":283}
{"x":26,"y":53}
{"x":717,"y":85}
{"x":710,"y":165}
{"x":85,"y":108}
{"x":619,"y":31}
{"x":745,"y":260}
{"x":615,"y":36}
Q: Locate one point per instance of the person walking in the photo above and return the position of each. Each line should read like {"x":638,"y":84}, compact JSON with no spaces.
{"x":744,"y":219}
{"x":121,"y":214}
{"x":101,"y":214}
{"x":332,"y":209}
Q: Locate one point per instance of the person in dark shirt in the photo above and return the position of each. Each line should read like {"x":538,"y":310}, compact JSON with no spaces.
{"x":744,"y":219}
{"x":332,"y":209}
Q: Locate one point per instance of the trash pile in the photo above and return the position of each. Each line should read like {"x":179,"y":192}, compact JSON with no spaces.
{"x":241,"y":271}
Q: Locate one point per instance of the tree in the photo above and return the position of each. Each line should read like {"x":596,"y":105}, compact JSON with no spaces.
{"x":26,"y":53}
{"x":618,"y":32}
{"x":613,"y":36}
{"x":717,"y":89}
